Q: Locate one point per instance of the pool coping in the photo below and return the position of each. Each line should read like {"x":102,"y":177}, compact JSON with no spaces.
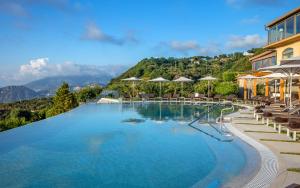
{"x":269,"y":165}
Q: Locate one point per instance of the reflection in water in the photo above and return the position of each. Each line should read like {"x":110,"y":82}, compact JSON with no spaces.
{"x":133,"y":121}
{"x":180,"y":112}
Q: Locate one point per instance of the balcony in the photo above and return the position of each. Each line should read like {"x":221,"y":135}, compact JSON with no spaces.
{"x":284,"y":31}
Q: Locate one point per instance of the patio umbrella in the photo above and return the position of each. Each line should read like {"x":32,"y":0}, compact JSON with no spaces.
{"x":160,"y":80}
{"x":133,"y":80}
{"x":182,"y":80}
{"x":275,"y":76}
{"x":248,"y":77}
{"x":209,"y":79}
{"x":289,"y":70}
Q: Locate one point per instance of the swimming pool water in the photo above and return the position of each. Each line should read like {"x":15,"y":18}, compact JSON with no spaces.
{"x":124,"y":145}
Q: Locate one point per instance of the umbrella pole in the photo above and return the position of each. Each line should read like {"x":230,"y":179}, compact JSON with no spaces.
{"x":208,"y":89}
{"x":181,"y":89}
{"x":159,"y":89}
{"x":275,"y":89}
{"x":133,"y":89}
{"x":291,"y":83}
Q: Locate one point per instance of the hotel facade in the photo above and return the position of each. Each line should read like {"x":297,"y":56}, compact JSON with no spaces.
{"x":283,"y":43}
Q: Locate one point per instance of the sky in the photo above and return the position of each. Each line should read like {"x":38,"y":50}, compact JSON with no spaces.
{"x":40,"y":38}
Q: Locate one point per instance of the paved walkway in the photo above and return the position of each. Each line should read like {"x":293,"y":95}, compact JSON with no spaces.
{"x":246,"y":123}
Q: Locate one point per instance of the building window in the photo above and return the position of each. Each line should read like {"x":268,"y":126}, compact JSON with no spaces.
{"x":289,"y":27}
{"x":287,"y":53}
{"x":264,"y":63}
{"x":280,"y":30}
{"x":298,"y":23}
{"x":272,"y":35}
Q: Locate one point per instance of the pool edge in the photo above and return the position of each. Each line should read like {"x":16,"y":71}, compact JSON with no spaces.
{"x":269,"y":166}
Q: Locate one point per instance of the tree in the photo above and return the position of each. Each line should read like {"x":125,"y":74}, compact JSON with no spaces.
{"x":63,"y":101}
{"x":226,"y":88}
{"x":229,"y":76}
{"x":88,"y":93}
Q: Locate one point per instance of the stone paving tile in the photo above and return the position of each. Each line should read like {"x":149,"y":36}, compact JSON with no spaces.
{"x":284,"y":178}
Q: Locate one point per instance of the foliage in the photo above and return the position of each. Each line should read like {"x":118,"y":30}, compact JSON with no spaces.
{"x":19,"y":113}
{"x":226,"y":88}
{"x":172,"y":68}
{"x":63,"y":101}
{"x":201,"y":87}
{"x":260,"y":89}
{"x":88,"y":93}
{"x":229,"y":76}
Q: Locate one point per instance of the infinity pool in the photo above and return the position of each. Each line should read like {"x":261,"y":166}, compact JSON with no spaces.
{"x":126,"y":145}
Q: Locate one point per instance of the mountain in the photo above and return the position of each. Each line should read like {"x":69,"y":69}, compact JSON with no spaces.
{"x":49,"y":85}
{"x":16,"y":93}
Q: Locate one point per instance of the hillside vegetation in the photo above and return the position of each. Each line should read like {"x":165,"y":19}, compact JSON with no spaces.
{"x":23,"y":112}
{"x":224,"y":67}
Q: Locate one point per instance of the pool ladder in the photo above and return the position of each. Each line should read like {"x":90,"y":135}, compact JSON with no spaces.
{"x":222,"y":130}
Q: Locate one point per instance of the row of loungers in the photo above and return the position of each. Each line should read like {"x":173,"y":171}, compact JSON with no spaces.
{"x":176,"y":97}
{"x":280,"y":116}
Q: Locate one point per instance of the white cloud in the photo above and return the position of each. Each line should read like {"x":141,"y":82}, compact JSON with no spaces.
{"x":184,"y":46}
{"x":190,"y":47}
{"x":41,"y":68}
{"x":245,"y":42}
{"x":94,"y":33}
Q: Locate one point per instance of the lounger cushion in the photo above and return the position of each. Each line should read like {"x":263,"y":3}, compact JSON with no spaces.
{"x":281,"y":120}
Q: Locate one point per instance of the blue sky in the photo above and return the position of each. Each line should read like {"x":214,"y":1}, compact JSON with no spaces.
{"x":41,"y":38}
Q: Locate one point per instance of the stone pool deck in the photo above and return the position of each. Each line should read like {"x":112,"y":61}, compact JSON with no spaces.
{"x":245,"y":123}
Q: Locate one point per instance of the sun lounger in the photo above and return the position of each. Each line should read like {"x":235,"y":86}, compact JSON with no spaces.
{"x":166,"y":97}
{"x":175,"y":97}
{"x":294,"y":127}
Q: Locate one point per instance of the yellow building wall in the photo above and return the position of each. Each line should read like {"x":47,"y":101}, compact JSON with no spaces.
{"x":295,"y":46}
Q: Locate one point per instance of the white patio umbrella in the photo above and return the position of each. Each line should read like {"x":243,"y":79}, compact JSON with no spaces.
{"x":209,"y":79}
{"x":248,"y":77}
{"x":182,"y":80}
{"x":160,"y":80}
{"x":133,"y":80}
{"x":289,"y":70}
{"x":275,"y":76}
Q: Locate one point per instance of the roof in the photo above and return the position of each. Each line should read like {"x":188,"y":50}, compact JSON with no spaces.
{"x":279,"y":19}
{"x":264,"y":55}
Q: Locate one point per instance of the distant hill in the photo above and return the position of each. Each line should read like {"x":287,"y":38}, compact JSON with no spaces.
{"x":16,"y":93}
{"x":49,"y":85}
{"x":192,"y":67}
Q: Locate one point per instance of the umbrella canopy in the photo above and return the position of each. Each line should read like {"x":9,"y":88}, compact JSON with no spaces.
{"x":248,"y":77}
{"x":287,"y":69}
{"x":276,"y":75}
{"x":160,"y":80}
{"x":132,"y":79}
{"x":208,"y":78}
{"x":182,"y":79}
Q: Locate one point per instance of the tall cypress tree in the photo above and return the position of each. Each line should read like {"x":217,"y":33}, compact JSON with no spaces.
{"x":63,"y":101}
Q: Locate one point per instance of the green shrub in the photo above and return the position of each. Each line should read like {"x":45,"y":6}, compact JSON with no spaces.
{"x":260,"y":89}
{"x":229,"y":76}
{"x":226,"y":88}
{"x":201,"y":87}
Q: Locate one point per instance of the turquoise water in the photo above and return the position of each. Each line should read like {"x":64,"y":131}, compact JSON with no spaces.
{"x":124,"y":145}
